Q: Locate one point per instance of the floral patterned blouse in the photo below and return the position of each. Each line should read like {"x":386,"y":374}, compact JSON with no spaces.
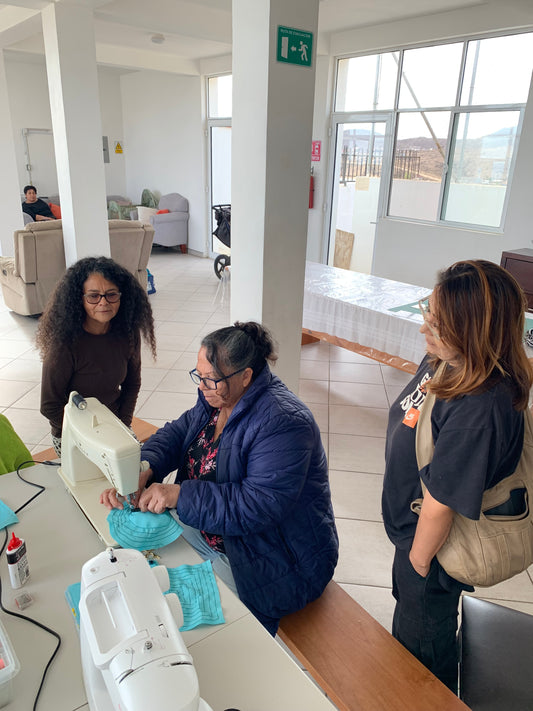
{"x":201,"y":463}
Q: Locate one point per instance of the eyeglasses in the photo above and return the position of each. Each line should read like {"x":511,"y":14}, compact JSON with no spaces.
{"x":210,"y":383}
{"x":423,"y":305}
{"x":110,"y":296}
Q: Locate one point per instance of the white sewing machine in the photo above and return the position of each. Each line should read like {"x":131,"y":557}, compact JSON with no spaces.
{"x":133,"y":656}
{"x":97,"y":451}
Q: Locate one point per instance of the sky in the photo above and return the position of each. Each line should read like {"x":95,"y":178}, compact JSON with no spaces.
{"x":497,"y":71}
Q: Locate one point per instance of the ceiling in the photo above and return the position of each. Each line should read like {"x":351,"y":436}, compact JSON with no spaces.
{"x":192,"y":29}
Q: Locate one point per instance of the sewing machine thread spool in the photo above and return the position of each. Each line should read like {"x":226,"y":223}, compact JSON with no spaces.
{"x":79,"y":401}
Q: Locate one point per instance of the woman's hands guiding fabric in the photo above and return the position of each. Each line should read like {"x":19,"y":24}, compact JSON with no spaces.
{"x":157,"y":498}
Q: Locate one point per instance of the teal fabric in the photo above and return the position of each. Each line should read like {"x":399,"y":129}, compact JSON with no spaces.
{"x":142,"y":531}
{"x":195,"y":586}
{"x":412,"y":308}
{"x":197,"y":589}
{"x":7,"y":516}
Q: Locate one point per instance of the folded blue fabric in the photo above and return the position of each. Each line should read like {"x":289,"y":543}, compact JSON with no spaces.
{"x":7,"y":516}
{"x":142,"y":531}
{"x":197,"y":589}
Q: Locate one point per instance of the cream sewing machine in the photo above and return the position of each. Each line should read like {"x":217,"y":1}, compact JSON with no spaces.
{"x":97,"y":451}
{"x":133,"y":655}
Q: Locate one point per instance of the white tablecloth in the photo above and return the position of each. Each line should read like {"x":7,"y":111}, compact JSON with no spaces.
{"x":353,"y":309}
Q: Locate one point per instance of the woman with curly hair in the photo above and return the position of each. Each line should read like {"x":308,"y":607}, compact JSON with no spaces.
{"x":89,"y":337}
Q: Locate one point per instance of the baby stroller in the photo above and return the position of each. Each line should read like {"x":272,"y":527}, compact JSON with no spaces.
{"x":223,"y":233}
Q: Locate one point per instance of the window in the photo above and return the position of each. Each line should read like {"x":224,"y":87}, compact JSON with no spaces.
{"x":419,"y":159}
{"x":483,"y":147}
{"x":367,"y":83}
{"x":429,"y":76}
{"x":457,"y":120}
{"x":219,"y":96}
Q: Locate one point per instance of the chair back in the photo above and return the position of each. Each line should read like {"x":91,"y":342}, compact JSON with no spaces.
{"x":28,"y":278}
{"x":173,"y":202}
{"x":496,"y":657}
{"x":131,"y":243}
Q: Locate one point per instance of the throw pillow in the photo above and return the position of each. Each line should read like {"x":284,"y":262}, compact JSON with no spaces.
{"x":162,"y":212}
{"x":56,"y":210}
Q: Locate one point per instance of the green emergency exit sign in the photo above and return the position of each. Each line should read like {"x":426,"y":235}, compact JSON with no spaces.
{"x":295,"y":46}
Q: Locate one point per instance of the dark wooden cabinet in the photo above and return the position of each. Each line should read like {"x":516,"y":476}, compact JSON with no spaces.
{"x":519,"y":262}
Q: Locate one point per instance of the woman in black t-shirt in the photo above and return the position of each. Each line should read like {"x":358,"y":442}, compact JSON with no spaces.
{"x":473,"y":324}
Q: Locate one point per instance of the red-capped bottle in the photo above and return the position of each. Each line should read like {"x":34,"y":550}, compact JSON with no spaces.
{"x":17,"y":561}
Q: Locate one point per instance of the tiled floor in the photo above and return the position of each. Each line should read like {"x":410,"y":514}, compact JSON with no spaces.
{"x":348,"y":394}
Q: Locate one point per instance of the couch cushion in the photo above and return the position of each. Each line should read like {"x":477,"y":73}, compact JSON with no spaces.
{"x":144,"y":213}
{"x":56,"y":210}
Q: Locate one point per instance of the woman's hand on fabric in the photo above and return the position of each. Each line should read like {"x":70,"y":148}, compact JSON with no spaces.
{"x":159,"y":497}
{"x":111,"y":499}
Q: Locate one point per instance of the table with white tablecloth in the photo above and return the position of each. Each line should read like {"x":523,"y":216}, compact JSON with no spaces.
{"x":369,"y":315}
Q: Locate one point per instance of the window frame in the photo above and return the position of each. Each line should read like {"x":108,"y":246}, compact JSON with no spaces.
{"x":455,"y":112}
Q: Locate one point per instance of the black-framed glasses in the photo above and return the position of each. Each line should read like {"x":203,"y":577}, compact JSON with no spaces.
{"x":110,"y":296}
{"x":210,"y":383}
{"x":423,"y":305}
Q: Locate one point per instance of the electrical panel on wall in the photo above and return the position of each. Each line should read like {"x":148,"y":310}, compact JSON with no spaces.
{"x":105,"y":144}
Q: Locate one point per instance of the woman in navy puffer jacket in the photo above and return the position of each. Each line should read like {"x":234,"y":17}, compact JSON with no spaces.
{"x":253,"y":491}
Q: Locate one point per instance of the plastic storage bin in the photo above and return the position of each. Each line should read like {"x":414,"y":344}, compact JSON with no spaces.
{"x":9,"y":667}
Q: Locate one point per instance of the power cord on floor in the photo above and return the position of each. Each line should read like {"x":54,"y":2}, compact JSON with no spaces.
{"x":17,"y":614}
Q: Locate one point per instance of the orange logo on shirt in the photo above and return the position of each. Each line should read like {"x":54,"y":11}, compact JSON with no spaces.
{"x":411,"y":417}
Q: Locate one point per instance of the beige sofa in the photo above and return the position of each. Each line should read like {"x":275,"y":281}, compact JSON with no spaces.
{"x":28,"y":278}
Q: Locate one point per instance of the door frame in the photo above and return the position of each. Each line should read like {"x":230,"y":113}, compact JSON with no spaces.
{"x":337,"y":119}
{"x":212,"y":123}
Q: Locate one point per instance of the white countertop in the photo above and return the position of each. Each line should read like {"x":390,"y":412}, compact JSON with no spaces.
{"x":239,"y":665}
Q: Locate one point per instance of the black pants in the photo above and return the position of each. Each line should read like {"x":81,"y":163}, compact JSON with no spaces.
{"x":425,"y":617}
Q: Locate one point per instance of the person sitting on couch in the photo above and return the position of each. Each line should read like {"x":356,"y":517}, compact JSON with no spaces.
{"x":34,"y":206}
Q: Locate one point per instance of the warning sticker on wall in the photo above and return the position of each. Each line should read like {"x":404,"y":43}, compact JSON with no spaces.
{"x":118,"y":147}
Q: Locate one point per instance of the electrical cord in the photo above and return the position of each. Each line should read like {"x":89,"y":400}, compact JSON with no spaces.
{"x":17,"y":614}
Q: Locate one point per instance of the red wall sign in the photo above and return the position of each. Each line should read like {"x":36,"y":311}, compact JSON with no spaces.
{"x":315,"y":150}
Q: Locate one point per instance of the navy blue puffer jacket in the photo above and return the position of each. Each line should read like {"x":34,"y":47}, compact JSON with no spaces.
{"x":271,"y":501}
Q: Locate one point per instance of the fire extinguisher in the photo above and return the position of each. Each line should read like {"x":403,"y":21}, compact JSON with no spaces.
{"x":311,"y":189}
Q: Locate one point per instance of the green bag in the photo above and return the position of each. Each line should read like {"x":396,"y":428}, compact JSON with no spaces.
{"x":13,"y":451}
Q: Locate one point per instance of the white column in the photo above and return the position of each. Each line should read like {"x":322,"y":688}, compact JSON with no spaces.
{"x":75,"y":106}
{"x":271,"y":158}
{"x":9,"y":180}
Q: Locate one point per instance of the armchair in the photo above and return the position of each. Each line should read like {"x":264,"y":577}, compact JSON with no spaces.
{"x":171,"y":228}
{"x":28,"y":278}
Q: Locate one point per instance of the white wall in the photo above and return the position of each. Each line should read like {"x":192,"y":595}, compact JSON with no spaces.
{"x":164,"y":145}
{"x":112,"y":127}
{"x":322,"y":108}
{"x":30,"y":108}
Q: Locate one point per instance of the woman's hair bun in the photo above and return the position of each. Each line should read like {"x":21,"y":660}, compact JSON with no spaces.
{"x":261,"y":337}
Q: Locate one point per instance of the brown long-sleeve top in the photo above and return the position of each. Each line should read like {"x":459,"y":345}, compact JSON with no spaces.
{"x":104,"y":366}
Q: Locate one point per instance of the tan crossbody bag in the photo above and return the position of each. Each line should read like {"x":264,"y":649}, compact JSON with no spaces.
{"x":494,"y":548}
